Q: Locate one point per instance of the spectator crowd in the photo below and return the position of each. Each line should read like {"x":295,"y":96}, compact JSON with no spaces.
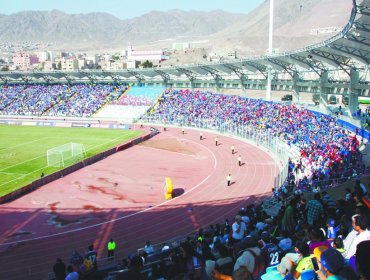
{"x":329,"y":154}
{"x":311,"y":238}
{"x":78,"y":100}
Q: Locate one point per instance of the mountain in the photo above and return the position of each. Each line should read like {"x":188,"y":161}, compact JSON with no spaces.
{"x":100,"y":29}
{"x":293,"y":21}
{"x":215,"y":31}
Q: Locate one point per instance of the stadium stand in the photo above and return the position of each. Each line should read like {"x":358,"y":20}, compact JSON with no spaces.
{"x":328,"y":153}
{"x":81,"y":100}
{"x":132,"y":105}
{"x":307,"y":223}
{"x":272,"y":247}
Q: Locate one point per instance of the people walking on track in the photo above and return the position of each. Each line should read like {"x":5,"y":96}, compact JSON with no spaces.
{"x":111,"y":246}
{"x":228,"y":179}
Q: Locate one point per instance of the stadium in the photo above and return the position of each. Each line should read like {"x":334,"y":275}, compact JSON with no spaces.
{"x":193,"y":171}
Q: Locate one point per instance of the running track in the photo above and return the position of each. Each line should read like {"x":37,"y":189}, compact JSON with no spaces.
{"x":122,"y":198}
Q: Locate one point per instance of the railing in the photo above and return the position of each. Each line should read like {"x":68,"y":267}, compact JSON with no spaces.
{"x":263,"y":138}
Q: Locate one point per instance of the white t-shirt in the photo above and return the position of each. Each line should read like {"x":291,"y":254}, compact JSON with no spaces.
{"x":239,"y":235}
{"x":352,"y":240}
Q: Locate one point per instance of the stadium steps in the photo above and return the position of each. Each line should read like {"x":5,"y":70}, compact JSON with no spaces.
{"x":123,"y":95}
{"x":154,"y":106}
{"x":271,"y":206}
{"x":60,"y":101}
{"x":108,"y":101}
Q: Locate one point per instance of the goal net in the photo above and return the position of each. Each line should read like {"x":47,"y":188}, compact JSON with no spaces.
{"x":64,"y":154}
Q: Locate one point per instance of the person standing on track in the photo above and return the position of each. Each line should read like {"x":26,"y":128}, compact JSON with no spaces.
{"x":201,"y":136}
{"x":232,"y":149}
{"x":183,"y":131}
{"x":216,"y":141}
{"x":228,"y":180}
{"x":111,"y":246}
{"x":240,"y":160}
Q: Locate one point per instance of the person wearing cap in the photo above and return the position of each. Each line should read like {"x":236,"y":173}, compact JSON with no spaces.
{"x":332,"y":262}
{"x":357,"y":235}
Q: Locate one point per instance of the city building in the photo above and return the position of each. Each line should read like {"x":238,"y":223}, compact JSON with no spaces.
{"x":151,"y":55}
{"x":24,"y":61}
{"x":69,"y":64}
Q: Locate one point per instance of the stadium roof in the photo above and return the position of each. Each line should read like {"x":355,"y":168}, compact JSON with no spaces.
{"x":344,"y":51}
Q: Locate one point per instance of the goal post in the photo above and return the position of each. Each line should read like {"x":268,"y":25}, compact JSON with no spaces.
{"x":61,"y":155}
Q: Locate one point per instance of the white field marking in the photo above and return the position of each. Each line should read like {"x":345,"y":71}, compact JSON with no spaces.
{"x":25,"y":143}
{"x":44,"y":155}
{"x":120,"y":218}
{"x":42,"y":167}
{"x":106,"y":222}
{"x":12,"y":173}
{"x":153,"y":148}
{"x":261,"y":163}
{"x":214,"y":157}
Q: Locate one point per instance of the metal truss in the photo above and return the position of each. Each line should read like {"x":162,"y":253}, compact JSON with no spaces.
{"x":139,"y":77}
{"x":238,"y":71}
{"x":191,"y":75}
{"x":214,"y":73}
{"x":166,"y":77}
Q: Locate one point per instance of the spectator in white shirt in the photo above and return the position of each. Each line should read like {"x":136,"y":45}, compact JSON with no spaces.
{"x":357,"y":235}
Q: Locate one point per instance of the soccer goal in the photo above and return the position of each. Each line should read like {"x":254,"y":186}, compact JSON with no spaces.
{"x":61,"y":155}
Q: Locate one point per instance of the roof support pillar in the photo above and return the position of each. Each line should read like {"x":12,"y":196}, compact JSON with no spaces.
{"x":354,"y":91}
{"x":324,"y":79}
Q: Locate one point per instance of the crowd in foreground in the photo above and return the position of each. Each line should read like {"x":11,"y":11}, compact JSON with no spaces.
{"x":329,"y":153}
{"x":318,"y":238}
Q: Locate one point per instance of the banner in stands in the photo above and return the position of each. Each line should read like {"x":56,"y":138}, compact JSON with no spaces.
{"x":351,"y":127}
{"x":80,"y":125}
{"x":29,"y":123}
{"x":45,"y":123}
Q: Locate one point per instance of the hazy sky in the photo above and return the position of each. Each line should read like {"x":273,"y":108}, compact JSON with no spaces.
{"x":126,"y":9}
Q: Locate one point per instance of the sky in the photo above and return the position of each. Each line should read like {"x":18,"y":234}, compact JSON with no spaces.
{"x":125,"y":9}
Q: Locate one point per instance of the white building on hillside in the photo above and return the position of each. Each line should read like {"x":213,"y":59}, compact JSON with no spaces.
{"x":154,"y":55}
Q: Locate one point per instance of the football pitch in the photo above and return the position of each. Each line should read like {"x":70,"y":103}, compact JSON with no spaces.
{"x":23,"y":149}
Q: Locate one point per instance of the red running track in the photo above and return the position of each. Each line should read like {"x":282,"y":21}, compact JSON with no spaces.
{"x":122,"y":198}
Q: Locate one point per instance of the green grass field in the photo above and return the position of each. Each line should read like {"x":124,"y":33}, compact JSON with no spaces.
{"x":23,"y":149}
